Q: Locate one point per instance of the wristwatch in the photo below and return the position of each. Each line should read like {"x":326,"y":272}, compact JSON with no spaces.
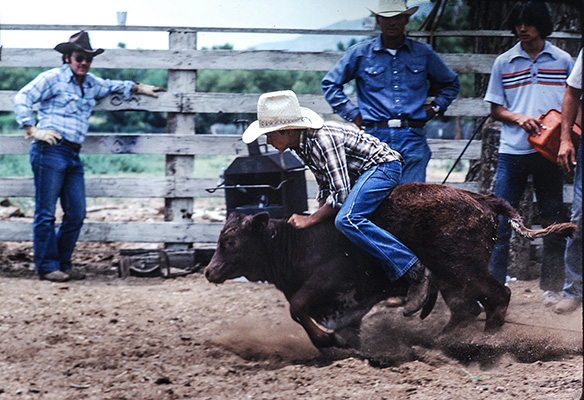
{"x":435,"y":107}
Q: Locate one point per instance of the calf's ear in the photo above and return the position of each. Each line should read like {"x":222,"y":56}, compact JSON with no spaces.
{"x":255,"y":222}
{"x":258,"y":221}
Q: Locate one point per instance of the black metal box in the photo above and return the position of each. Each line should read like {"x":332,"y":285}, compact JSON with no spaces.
{"x":272,"y":182}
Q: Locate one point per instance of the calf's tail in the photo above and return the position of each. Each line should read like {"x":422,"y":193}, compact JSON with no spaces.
{"x":505,"y":209}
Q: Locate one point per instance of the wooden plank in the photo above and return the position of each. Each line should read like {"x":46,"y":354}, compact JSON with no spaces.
{"x":180,"y":166}
{"x":165,"y":188}
{"x":124,"y":187}
{"x":179,"y":144}
{"x":233,"y":103}
{"x":155,"y":232}
{"x":201,"y":144}
{"x":187,"y":29}
{"x":292,"y":31}
{"x":220,"y":60}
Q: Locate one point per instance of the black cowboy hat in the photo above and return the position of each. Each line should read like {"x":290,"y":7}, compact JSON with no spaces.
{"x":78,"y":42}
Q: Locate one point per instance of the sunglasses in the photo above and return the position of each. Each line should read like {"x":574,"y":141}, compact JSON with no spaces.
{"x":82,"y":58}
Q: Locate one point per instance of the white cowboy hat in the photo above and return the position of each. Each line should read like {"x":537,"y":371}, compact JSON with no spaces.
{"x":393,"y":8}
{"x":281,"y":110}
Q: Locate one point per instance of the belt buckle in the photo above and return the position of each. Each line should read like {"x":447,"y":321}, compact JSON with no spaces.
{"x":394,"y":123}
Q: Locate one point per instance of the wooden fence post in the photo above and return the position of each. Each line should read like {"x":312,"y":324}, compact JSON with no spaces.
{"x":179,"y":81}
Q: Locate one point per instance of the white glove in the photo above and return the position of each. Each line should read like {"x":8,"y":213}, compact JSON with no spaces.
{"x":46,"y":135}
{"x":148,"y":90}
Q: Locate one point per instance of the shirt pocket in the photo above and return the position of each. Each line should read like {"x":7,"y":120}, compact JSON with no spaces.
{"x":69,"y":103}
{"x":374,"y":78}
{"x":416,"y":75}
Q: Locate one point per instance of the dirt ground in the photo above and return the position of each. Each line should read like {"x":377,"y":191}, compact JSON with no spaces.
{"x":109,"y":338}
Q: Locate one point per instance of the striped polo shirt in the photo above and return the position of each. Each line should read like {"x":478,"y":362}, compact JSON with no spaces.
{"x":527,"y":86}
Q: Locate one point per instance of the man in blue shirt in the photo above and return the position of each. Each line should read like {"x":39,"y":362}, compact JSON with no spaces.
{"x":391,"y":74}
{"x":65,"y":97}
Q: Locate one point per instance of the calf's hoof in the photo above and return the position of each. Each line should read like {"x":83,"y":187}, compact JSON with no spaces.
{"x":493,"y":325}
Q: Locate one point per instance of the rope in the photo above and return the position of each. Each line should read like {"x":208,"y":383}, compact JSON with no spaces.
{"x":536,"y":326}
{"x":479,"y":126}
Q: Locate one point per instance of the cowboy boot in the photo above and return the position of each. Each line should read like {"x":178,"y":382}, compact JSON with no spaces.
{"x":418,"y":276}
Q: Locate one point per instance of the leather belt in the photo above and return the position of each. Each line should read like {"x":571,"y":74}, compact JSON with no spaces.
{"x":397,"y":123}
{"x":75,"y":146}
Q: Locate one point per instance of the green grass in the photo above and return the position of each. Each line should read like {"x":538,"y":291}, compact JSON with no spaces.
{"x":14,"y":165}
{"x":206,"y":166}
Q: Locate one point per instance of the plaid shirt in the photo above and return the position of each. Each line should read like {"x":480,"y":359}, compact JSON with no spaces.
{"x":338,"y":154}
{"x":62,"y":105}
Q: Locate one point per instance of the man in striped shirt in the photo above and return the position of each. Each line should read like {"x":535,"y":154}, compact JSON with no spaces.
{"x":526,"y":81}
{"x":65,"y":97}
{"x":355,"y":173}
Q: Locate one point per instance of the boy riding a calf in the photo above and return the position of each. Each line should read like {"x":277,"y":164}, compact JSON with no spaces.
{"x":355,"y":173}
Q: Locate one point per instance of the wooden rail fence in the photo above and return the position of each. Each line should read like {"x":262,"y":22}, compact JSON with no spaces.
{"x":182,"y":102}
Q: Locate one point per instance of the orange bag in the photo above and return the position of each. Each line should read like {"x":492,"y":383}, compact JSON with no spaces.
{"x":548,"y":142}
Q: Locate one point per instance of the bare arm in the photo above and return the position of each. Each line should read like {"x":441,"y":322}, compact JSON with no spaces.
{"x":529,"y":124}
{"x":571,"y":112}
{"x":303,"y":221}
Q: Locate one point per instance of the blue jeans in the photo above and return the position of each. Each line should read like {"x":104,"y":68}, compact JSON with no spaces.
{"x":510,"y":183}
{"x":411,"y":143}
{"x":372,"y":187}
{"x":58,"y":174}
{"x":573,"y":254}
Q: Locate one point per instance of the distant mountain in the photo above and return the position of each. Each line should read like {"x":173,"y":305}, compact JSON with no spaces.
{"x":331,"y":42}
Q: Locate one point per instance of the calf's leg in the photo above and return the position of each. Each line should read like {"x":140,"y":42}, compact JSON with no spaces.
{"x":495,"y":300}
{"x":463,"y":308}
{"x":300,"y":304}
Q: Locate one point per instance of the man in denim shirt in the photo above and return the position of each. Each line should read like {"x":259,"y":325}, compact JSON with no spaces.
{"x":391,"y":74}
{"x":65,"y":97}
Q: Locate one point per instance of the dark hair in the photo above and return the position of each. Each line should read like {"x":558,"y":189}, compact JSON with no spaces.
{"x":65,"y":56}
{"x":532,"y":13}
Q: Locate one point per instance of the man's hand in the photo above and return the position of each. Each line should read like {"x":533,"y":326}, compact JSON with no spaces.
{"x":430,"y":113}
{"x":531,"y":125}
{"x":46,"y":135}
{"x":304,"y":221}
{"x":148,"y":90}
{"x":300,"y":221}
{"x":566,"y":156}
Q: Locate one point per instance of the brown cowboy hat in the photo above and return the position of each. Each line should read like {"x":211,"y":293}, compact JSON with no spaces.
{"x":78,"y":42}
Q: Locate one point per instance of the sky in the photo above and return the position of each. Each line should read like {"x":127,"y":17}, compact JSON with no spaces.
{"x":301,"y":14}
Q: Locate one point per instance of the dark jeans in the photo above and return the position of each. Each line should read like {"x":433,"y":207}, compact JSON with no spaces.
{"x":510,"y":183}
{"x":58,"y":175}
{"x":411,"y":143}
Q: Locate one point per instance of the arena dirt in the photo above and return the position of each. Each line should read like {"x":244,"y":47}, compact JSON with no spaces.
{"x":108,"y":338}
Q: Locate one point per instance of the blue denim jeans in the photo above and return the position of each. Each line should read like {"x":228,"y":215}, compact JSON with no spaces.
{"x":573,"y":254}
{"x":510,"y":183}
{"x":411,"y":143}
{"x":58,"y":175}
{"x":372,"y":187}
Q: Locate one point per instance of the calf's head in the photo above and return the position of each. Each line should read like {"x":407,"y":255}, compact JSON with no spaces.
{"x":240,"y":249}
